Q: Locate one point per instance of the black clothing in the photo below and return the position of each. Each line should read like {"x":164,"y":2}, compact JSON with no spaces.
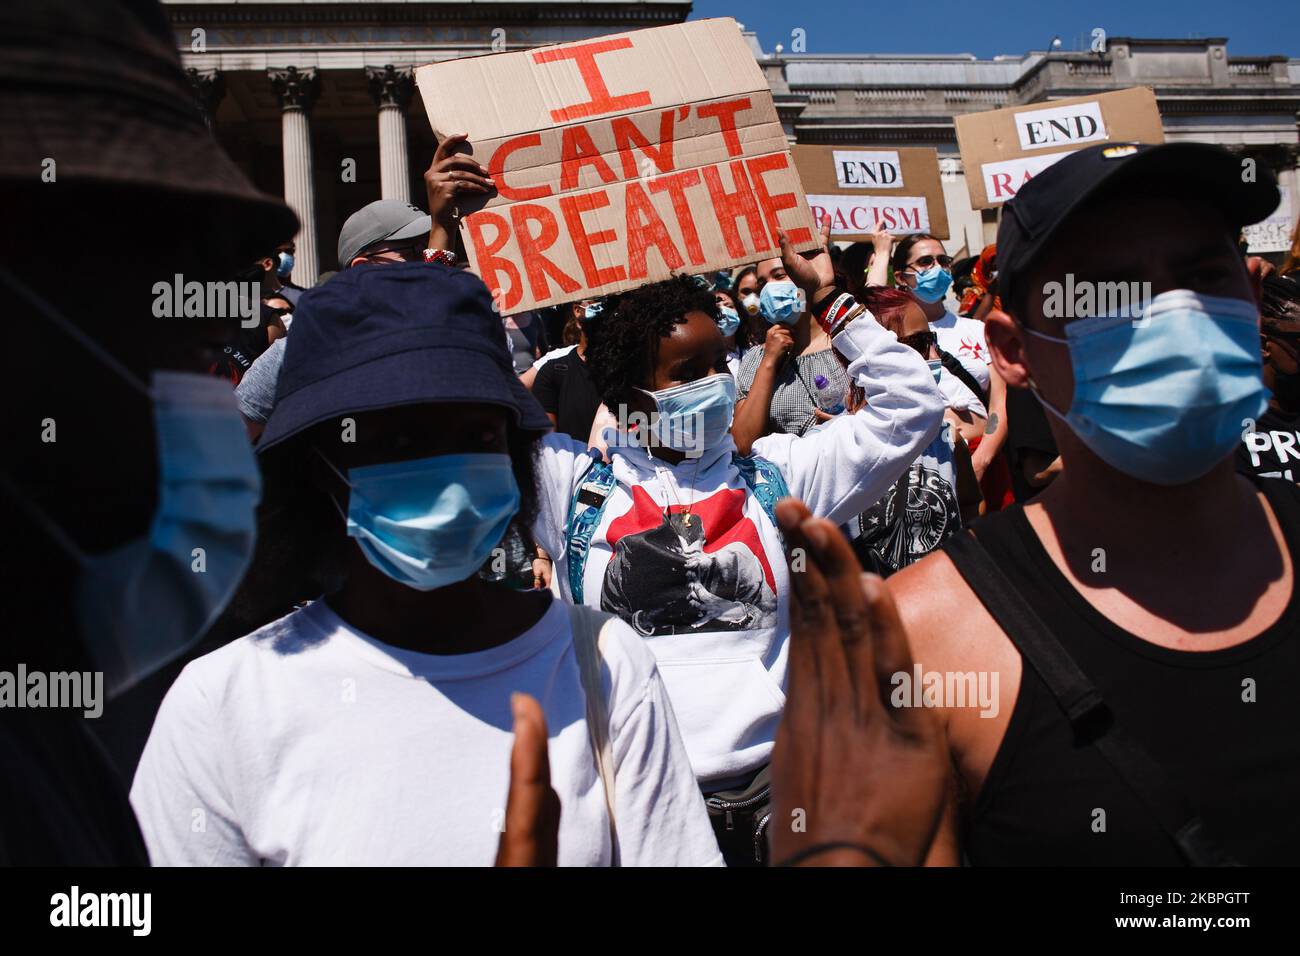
{"x":564,"y":388}
{"x":1027,"y":430}
{"x":1272,"y":449}
{"x":61,"y":801}
{"x":1236,"y":760}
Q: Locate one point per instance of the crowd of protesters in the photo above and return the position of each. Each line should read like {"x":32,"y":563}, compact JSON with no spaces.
{"x":861,"y":556}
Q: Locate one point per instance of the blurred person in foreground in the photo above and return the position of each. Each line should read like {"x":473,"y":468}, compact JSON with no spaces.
{"x":144,"y":458}
{"x":150,"y":461}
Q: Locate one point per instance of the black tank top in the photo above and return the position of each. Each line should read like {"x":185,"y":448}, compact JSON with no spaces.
{"x":1237,"y":763}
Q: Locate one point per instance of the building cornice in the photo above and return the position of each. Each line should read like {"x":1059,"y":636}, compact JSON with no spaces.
{"x":289,"y":15}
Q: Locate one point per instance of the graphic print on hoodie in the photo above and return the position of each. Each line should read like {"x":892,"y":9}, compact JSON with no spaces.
{"x":702,"y":569}
{"x":716,"y":614}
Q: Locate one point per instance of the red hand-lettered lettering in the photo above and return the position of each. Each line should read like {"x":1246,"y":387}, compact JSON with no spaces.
{"x":497,"y":168}
{"x":577,"y":150}
{"x":730,"y":206}
{"x":726,"y":113}
{"x":601,"y":100}
{"x":573,"y":206}
{"x":486,"y":260}
{"x":645,"y":229}
{"x":772,"y":205}
{"x":676,"y":186}
{"x":626,"y":135}
{"x":531,"y":249}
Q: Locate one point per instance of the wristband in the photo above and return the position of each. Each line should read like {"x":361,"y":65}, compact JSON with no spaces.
{"x":832,"y":308}
{"x":818,"y":848}
{"x":854,"y":311}
{"x":440,"y":255}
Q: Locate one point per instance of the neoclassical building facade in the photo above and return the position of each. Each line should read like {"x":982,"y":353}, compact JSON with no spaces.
{"x":315,"y":99}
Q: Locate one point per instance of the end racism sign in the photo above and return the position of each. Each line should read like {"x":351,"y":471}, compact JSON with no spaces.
{"x":619,"y":161}
{"x":1003,"y":149}
{"x":856,"y":188}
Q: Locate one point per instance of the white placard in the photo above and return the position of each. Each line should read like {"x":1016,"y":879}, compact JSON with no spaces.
{"x":1274,"y":233}
{"x":868,"y":169}
{"x":900,"y":215}
{"x":1061,"y":126}
{"x":1003,"y":180}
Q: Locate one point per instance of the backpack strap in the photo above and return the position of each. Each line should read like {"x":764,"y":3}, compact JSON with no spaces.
{"x":589,"y":500}
{"x":588,"y":645}
{"x":953,"y":364}
{"x":1089,"y":716}
{"x":764,"y":480}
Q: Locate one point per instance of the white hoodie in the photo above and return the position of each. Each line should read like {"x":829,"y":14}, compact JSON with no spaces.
{"x":717,"y":617}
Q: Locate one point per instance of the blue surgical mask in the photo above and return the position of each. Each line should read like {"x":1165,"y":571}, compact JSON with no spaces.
{"x":728,"y":320}
{"x":144,"y":603}
{"x":932,"y":284}
{"x":781,"y":302}
{"x":285,"y":268}
{"x":1162,"y":398}
{"x":694,"y":417}
{"x":593,"y":311}
{"x":431,"y":522}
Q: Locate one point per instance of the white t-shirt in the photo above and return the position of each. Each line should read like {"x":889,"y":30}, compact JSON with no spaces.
{"x":552,"y":355}
{"x":310,"y":743}
{"x":716,"y":614}
{"x":957,"y":394}
{"x":964,"y":338}
{"x":733,"y":363}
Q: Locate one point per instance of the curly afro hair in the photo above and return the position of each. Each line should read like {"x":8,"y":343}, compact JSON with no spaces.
{"x":623,"y":344}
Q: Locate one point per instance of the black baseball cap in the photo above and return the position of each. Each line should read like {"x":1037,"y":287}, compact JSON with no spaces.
{"x":1198,"y":170}
{"x":383,"y":335}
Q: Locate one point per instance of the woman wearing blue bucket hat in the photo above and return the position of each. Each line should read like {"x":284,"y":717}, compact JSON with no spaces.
{"x":373,"y":724}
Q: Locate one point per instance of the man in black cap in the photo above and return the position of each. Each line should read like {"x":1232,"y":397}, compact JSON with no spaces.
{"x":1138,"y":621}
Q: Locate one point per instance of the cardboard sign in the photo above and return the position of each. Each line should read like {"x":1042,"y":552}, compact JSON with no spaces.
{"x":900,"y":188}
{"x":1003,"y":149}
{"x":1274,"y":233}
{"x":619,"y":161}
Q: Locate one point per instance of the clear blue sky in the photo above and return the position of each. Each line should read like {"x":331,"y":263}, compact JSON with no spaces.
{"x":989,"y":27}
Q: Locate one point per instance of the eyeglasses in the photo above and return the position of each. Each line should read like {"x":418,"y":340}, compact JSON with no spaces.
{"x":406,"y":252}
{"x":926,"y":262}
{"x":921,"y":341}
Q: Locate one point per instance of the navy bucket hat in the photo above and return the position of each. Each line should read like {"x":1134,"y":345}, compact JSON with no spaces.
{"x":383,"y":335}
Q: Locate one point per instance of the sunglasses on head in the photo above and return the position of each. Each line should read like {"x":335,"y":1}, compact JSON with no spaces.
{"x":921,"y":341}
{"x":926,"y":262}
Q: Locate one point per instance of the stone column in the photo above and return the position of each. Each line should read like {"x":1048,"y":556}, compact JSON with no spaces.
{"x":209,"y":88}
{"x":297,"y":90}
{"x":392,"y":88}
